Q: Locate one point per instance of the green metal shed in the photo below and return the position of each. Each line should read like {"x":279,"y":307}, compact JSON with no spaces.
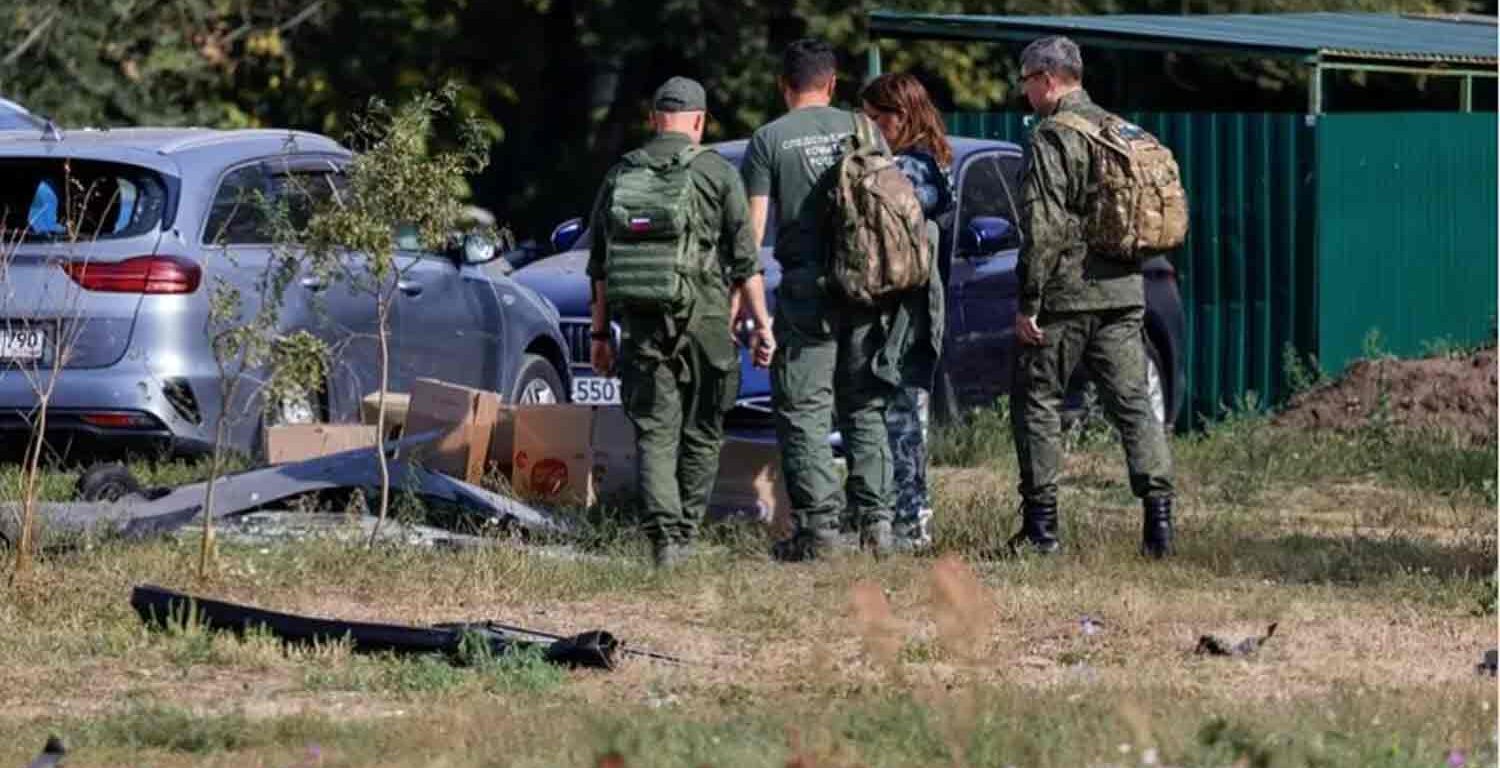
{"x":1309,"y":231}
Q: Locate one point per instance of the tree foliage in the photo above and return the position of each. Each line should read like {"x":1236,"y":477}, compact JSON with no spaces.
{"x":400,"y":194}
{"x":564,"y":83}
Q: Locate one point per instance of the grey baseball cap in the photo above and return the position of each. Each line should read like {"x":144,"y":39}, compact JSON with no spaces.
{"x":680,"y":94}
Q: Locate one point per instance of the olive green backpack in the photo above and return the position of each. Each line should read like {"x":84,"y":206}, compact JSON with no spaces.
{"x":652,"y":253}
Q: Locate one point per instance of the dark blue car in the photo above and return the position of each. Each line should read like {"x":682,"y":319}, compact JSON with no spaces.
{"x":978,"y":259}
{"x":14,"y":117}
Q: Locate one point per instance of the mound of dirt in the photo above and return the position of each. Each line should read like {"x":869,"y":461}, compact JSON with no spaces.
{"x":1447,"y":394}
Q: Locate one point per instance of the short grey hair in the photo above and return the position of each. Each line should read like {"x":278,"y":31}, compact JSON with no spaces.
{"x":1055,"y":54}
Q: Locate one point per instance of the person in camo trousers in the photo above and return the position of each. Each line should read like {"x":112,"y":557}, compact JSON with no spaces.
{"x":1076,"y":306}
{"x":826,"y":345}
{"x":900,"y":106}
{"x":679,"y":373}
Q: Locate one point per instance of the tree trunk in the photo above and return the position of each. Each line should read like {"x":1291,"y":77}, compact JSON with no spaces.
{"x":30,"y":479}
{"x":206,"y":545}
{"x":383,"y":316}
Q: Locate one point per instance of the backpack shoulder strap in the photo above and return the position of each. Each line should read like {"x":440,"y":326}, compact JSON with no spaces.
{"x":636,"y":157}
{"x":866,"y":134}
{"x":1078,"y":123}
{"x":1101,"y":134}
{"x":690,"y":153}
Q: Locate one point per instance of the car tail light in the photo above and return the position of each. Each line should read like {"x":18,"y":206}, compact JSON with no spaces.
{"x":116,"y":419}
{"x":141,"y":274}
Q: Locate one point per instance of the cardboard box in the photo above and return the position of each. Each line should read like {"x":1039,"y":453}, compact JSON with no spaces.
{"x":502,"y":441}
{"x":464,"y":415}
{"x":298,"y":442}
{"x":396,"y":406}
{"x":750,"y":485}
{"x":573,"y":454}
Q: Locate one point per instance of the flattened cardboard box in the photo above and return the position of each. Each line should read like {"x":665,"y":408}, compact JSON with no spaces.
{"x":750,"y":485}
{"x":503,"y":441}
{"x":396,"y":406}
{"x":289,"y":443}
{"x":573,"y":454}
{"x":467,"y":417}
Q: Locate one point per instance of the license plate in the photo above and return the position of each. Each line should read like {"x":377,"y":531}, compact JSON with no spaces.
{"x":22,"y":344}
{"x":596,"y":390}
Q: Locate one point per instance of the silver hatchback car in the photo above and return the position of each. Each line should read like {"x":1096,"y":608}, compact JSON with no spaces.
{"x":165,"y":216}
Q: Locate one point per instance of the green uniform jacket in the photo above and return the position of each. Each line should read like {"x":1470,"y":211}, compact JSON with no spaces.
{"x":719,"y":196}
{"x":1056,"y":271}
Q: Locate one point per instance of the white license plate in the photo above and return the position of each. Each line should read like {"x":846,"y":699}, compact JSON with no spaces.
{"x":596,"y":390}
{"x":22,"y":344}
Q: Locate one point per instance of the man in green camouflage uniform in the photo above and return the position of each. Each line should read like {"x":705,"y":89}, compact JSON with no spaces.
{"x":679,"y":371}
{"x":826,"y":368}
{"x":1076,"y":306}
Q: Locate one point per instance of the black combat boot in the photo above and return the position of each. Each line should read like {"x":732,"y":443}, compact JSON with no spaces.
{"x":667,"y":555}
{"x":1038,"y":530}
{"x":820,"y":538}
{"x":1156,"y":530}
{"x":876,"y":537}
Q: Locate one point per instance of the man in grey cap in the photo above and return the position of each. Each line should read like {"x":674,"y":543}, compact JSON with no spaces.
{"x":1078,"y":304}
{"x":672,"y":250}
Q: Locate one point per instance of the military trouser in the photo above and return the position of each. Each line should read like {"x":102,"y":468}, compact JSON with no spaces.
{"x":676,"y":399}
{"x":1111,"y":344}
{"x":906,"y":426}
{"x":823,"y":373}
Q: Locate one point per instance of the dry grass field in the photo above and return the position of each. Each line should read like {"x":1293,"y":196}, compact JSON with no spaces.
{"x":1373,"y":550}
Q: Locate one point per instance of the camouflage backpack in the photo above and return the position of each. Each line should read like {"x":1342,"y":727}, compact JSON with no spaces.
{"x":1135,"y":202}
{"x":877,"y":234}
{"x":651,"y":245}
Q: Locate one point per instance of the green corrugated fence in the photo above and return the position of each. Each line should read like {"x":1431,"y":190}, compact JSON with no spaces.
{"x":1246,"y":272}
{"x":1406,"y":231}
{"x":1312,"y":237}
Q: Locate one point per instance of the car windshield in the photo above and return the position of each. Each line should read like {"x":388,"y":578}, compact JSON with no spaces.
{"x":71,"y":199}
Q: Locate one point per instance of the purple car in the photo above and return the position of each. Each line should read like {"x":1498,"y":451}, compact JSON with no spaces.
{"x":980,"y":242}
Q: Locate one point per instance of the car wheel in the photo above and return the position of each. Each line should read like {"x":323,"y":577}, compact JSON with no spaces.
{"x":107,"y":482}
{"x":1156,"y":393}
{"x":537,"y":383}
{"x":1156,"y":385}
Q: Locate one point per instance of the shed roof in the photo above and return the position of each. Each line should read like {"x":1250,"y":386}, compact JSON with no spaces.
{"x":1463,"y":39}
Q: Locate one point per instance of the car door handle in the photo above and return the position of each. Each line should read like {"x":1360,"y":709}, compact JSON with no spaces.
{"x":313,"y":284}
{"x":409,"y":287}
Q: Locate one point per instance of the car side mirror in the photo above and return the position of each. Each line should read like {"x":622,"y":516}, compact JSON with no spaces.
{"x":564,"y":235}
{"x":478,"y":248}
{"x":988,"y":234}
{"x":471,"y":248}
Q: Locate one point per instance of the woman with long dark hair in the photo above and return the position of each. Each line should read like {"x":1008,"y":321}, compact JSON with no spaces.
{"x":900,"y":106}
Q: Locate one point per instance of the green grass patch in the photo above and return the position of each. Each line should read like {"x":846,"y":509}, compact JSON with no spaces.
{"x":58,"y":481}
{"x":1073,"y":727}
{"x":175,"y":729}
{"x":517,"y":671}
